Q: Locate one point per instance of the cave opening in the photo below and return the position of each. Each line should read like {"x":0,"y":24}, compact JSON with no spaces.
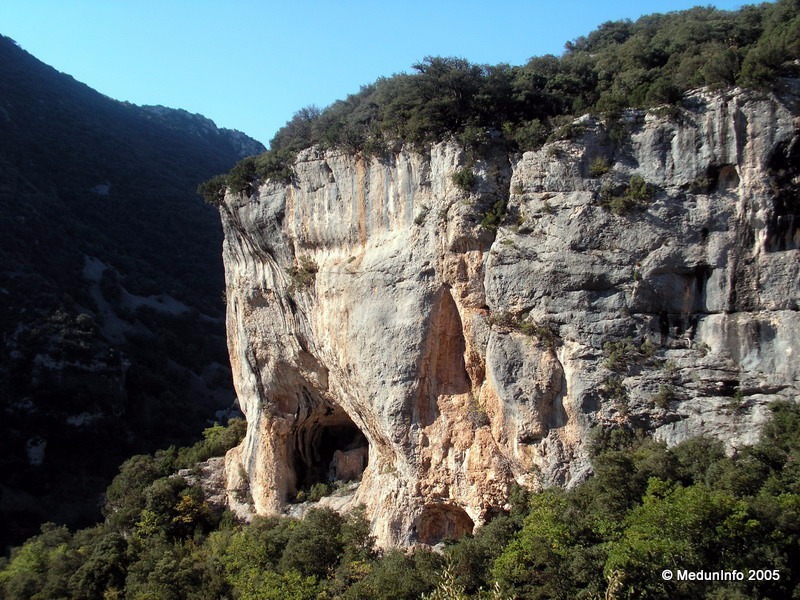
{"x":328,"y":447}
{"x":441,"y":522}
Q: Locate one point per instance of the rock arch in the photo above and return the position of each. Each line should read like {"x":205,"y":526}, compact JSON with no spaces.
{"x":439,"y":522}
{"x":328,"y":446}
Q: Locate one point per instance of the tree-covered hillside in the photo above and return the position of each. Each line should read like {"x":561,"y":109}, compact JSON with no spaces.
{"x":647,"y":508}
{"x":621,"y":64}
{"x":111,"y":283}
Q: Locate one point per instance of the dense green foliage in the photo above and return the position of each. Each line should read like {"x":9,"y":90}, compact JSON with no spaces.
{"x":647,"y":508}
{"x":621,"y":200}
{"x":621,"y":64}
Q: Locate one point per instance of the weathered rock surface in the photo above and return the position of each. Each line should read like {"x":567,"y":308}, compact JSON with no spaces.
{"x":369,"y":308}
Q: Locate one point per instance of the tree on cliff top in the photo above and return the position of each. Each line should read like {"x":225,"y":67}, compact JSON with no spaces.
{"x":621,"y":64}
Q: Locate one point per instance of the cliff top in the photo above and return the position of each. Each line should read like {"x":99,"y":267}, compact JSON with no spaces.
{"x":652,"y":61}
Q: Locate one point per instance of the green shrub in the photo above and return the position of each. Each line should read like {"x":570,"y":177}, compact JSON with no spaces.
{"x":695,"y":457}
{"x":318,"y":491}
{"x":645,"y":508}
{"x":217,"y":440}
{"x":213,"y":190}
{"x":399,"y":576}
{"x":635,"y":194}
{"x":639,"y":190}
{"x":302,"y":275}
{"x":472,"y":557}
{"x":40,"y":567}
{"x":614,"y":389}
{"x":567,"y":131}
{"x":448,"y":587}
{"x":617,"y":129}
{"x":276,"y":165}
{"x":621,"y":205}
{"x":667,"y":111}
{"x":677,"y":526}
{"x":620,"y":355}
{"x":545,"y":559}
{"x":464,"y":178}
{"x":621,"y":64}
{"x":477,"y":413}
{"x":103,"y":569}
{"x":314,"y":546}
{"x":503,"y":319}
{"x":599,"y":167}
{"x":259,"y":546}
{"x":648,"y":348}
{"x":495,"y":215}
{"x":527,"y":135}
{"x":623,"y":354}
{"x":737,"y":402}
{"x":665,"y":396}
{"x":648,"y":501}
{"x":243,"y":175}
{"x":125,"y":497}
{"x":473,"y":138}
{"x":546,"y":333}
{"x":250,"y":558}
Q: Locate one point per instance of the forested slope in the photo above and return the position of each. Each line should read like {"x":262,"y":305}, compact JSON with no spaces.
{"x":111,"y":316}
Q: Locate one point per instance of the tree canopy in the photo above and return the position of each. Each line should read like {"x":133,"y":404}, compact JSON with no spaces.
{"x":622,"y":64}
{"x":646,"y":508}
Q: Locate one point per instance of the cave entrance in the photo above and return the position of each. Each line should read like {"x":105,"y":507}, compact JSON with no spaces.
{"x":329,"y":447}
{"x":441,"y":522}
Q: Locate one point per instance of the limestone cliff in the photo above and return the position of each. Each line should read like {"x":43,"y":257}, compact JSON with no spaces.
{"x":378,"y":321}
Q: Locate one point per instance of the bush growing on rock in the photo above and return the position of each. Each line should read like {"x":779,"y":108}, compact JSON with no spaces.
{"x":464,"y":179}
{"x":633,"y":195}
{"x":599,"y":167}
{"x":303,"y":274}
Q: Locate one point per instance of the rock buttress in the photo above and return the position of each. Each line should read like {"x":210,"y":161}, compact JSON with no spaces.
{"x":380,"y":327}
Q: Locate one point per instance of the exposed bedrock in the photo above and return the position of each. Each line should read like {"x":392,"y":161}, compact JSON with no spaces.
{"x":379,"y":327}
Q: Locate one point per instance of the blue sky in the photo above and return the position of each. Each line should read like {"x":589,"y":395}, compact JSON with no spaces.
{"x":250,"y":65}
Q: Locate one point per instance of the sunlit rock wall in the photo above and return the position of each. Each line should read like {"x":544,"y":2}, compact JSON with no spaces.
{"x":374,"y":312}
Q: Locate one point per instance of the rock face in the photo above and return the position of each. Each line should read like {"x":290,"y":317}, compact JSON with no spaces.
{"x":374,"y":307}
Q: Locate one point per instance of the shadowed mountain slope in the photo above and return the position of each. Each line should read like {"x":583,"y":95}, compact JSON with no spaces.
{"x":111,"y":310}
